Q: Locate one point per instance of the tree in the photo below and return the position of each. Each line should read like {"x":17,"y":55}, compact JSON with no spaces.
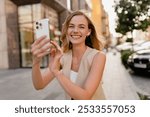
{"x":132,"y":15}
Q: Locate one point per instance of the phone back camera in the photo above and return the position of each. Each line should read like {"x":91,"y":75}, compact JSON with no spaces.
{"x":37,"y":27}
{"x":40,"y":24}
{"x":37,"y":23}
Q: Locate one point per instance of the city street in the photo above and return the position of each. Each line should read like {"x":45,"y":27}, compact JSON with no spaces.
{"x":118,"y":83}
{"x":142,"y":82}
{"x":20,"y":20}
{"x":121,"y":83}
{"x":17,"y":85}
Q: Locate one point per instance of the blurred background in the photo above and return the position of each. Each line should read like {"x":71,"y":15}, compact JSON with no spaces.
{"x":122,"y":25}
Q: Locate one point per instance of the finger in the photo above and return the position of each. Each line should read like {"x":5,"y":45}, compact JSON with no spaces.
{"x":40,"y":55}
{"x":42,"y":44}
{"x":56,"y":45}
{"x":36,"y":52}
{"x":52,"y":52}
{"x":39,"y":39}
{"x":43,"y":50}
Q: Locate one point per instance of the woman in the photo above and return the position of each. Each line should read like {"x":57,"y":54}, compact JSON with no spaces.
{"x":81,"y":60}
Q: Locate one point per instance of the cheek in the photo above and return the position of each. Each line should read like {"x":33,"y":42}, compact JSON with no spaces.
{"x":86,"y":33}
{"x":68,"y":31}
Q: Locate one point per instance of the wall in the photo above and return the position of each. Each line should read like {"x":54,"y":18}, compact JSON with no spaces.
{"x":12,"y":34}
{"x":3,"y":37}
{"x":96,"y":15}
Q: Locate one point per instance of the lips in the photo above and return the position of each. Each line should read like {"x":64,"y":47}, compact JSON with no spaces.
{"x":75,"y":36}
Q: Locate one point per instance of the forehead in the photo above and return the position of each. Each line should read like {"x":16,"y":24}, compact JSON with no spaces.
{"x":80,"y":19}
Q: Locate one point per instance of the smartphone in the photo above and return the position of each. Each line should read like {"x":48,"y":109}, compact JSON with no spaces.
{"x":42,"y":28}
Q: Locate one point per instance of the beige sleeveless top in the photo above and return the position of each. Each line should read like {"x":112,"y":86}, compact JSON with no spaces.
{"x":83,"y":71}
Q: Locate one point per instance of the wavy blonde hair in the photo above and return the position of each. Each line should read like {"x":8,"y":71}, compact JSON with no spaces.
{"x":91,"y":40}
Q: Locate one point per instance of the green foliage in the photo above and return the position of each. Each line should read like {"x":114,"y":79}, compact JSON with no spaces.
{"x":124,"y":57}
{"x":132,"y":14}
{"x":143,"y":97}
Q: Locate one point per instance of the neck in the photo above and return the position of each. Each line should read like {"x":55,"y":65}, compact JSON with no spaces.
{"x":78,"y":51}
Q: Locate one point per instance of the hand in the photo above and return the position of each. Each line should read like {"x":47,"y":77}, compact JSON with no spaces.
{"x":39,"y":49}
{"x":55,"y":55}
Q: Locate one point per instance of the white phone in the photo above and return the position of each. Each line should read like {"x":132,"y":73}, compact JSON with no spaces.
{"x":42,"y":28}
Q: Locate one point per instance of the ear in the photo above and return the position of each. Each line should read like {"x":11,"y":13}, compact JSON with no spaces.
{"x":89,"y":32}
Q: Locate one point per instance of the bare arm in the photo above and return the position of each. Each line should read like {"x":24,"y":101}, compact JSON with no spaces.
{"x":91,"y":84}
{"x":40,"y":79}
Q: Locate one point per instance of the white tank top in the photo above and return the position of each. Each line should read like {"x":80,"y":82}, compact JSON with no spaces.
{"x":73,"y":76}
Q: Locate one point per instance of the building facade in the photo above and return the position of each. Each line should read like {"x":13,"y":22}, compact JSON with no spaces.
{"x":100,"y":19}
{"x":17,"y":30}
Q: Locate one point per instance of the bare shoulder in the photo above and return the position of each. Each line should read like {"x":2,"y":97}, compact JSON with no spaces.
{"x":100,"y":55}
{"x":99,"y":62}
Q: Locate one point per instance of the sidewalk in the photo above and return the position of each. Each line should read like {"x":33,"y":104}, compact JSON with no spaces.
{"x":117,"y":82}
{"x":17,"y":84}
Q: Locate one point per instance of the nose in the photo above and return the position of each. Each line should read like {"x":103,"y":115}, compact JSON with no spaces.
{"x":75,"y":29}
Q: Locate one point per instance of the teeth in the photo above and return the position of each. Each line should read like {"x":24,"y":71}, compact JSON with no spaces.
{"x":76,"y":36}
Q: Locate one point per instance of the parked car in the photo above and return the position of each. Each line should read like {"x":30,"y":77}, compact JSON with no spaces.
{"x":135,"y":46}
{"x":142,"y":46}
{"x":124,"y":46}
{"x":140,"y":60}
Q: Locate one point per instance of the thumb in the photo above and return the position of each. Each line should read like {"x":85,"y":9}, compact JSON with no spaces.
{"x":52,"y":52}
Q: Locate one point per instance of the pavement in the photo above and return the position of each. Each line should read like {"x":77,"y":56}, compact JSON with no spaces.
{"x":117,"y":82}
{"x":16,"y":84}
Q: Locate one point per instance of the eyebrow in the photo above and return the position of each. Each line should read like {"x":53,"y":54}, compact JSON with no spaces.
{"x":79,"y":24}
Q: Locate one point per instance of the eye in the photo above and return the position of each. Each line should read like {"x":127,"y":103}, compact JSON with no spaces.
{"x":70,"y":26}
{"x":82,"y":27}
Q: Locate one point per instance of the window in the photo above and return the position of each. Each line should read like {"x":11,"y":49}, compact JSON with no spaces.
{"x":27,"y":15}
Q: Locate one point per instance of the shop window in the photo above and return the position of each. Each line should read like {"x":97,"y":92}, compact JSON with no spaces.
{"x":27,"y":14}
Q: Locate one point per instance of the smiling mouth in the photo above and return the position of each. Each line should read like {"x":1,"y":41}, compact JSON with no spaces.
{"x":75,"y":36}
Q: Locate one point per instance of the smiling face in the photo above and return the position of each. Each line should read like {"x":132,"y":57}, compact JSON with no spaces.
{"x":78,"y":30}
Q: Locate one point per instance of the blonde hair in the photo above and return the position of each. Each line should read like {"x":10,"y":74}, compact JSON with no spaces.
{"x":91,"y":40}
